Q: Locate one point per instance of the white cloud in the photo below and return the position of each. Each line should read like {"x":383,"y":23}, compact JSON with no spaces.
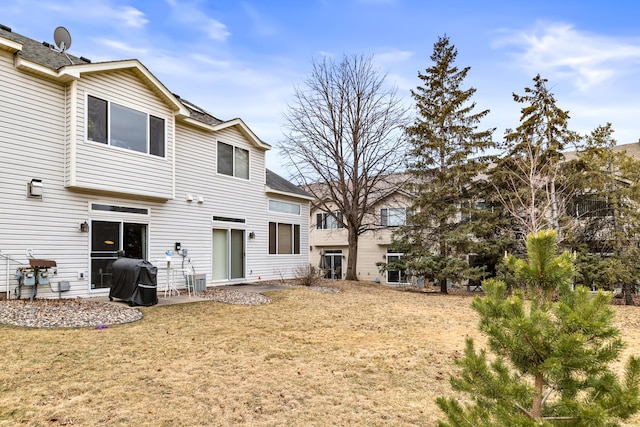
{"x":393,"y":56}
{"x":101,"y":10}
{"x":190,"y":14}
{"x":560,"y":50}
{"x":216,"y":30}
{"x":260,"y":24}
{"x":122,"y":47}
{"x":133,"y":17}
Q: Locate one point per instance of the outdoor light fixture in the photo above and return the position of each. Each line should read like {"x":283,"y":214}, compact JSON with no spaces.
{"x":35,"y":188}
{"x":84,"y":227}
{"x":252,"y":235}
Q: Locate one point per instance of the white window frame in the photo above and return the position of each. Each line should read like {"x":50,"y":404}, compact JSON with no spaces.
{"x":276,"y":243}
{"x":284,"y":207}
{"x":329,"y":220}
{"x":109,"y":130}
{"x":234,"y":169}
{"x":387,"y":216}
{"x":401,"y":273}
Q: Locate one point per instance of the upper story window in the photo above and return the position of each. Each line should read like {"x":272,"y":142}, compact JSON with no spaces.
{"x":119,"y":126}
{"x":469,"y":209}
{"x":393,"y":217}
{"x":233,"y":161}
{"x":329,"y":221}
{"x":284,"y":207}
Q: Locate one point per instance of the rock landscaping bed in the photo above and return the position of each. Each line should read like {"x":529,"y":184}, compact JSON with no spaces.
{"x":83,"y":313}
{"x":65,"y":313}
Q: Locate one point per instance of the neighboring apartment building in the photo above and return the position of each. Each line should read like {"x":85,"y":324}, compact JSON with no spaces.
{"x":329,"y":240}
{"x":101,"y":157}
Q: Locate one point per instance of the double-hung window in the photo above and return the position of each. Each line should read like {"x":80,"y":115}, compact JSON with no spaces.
{"x":233,"y":161}
{"x":393,"y":217}
{"x":284,"y":238}
{"x":329,"y":221}
{"x":119,"y":126}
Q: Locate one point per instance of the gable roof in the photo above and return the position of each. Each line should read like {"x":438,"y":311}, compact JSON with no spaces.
{"x":278,"y":185}
{"x":45,"y":60}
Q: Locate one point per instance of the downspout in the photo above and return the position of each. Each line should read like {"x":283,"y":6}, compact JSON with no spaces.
{"x":72,"y":134}
{"x":7,"y":279}
{"x":173,"y":156}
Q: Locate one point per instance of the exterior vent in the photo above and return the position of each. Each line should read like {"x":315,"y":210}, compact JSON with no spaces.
{"x":47,"y":45}
{"x":4,"y":27}
{"x":85,"y":59}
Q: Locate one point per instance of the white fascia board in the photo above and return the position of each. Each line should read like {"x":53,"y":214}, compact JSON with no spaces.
{"x":245,"y":129}
{"x":77,"y":70}
{"x":270,"y":190}
{"x":10,"y":45}
{"x":40,"y":70}
{"x":199,"y":124}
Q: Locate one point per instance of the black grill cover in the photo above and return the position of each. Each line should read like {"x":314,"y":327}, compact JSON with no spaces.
{"x":134,"y":281}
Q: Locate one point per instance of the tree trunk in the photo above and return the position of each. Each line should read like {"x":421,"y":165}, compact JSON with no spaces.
{"x":536,"y":409}
{"x":443,"y":286}
{"x":627,"y":290}
{"x":554,"y":210}
{"x":352,"y":260}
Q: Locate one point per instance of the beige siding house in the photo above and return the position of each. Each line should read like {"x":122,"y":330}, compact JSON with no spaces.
{"x":329,"y":240}
{"x":101,"y":158}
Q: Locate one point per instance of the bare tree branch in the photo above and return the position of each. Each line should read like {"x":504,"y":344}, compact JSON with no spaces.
{"x":344,"y":140}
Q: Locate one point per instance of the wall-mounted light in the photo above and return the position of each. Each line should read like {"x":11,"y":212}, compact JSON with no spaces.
{"x":84,"y":227}
{"x":252,"y":235}
{"x":35,"y":188}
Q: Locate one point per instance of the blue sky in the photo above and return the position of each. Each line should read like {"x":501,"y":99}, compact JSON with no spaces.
{"x":244,"y":58}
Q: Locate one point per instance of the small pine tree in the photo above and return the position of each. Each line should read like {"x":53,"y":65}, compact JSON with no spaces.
{"x":550,"y":357}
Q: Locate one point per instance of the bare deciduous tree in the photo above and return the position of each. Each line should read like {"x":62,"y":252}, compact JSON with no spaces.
{"x":343,"y":139}
{"x":528,"y":179}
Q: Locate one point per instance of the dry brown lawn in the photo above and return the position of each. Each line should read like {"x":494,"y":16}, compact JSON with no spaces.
{"x":368,"y":356}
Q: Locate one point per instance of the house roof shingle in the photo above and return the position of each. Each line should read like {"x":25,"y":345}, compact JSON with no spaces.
{"x":278,"y":183}
{"x":41,"y":53}
{"x":48,"y":56}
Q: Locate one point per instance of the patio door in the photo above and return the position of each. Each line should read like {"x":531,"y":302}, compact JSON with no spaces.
{"x":107,"y":239}
{"x":395,"y":275}
{"x":333,"y":264}
{"x":228,"y":254}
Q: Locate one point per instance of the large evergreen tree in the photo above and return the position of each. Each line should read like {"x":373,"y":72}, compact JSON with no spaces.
{"x":444,"y":161}
{"x":606,"y":214}
{"x":528,"y":180}
{"x":550,"y":361}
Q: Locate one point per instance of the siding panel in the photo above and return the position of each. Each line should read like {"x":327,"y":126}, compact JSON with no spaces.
{"x":105,"y":168}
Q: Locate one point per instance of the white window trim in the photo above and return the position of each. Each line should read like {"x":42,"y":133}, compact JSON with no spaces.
{"x":125,"y":150}
{"x":234,"y":162}
{"x":281,"y":212}
{"x":293,"y":238}
{"x":110,"y":215}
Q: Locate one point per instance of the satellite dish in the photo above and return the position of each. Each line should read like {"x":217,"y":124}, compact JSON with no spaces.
{"x":62,"y":38}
